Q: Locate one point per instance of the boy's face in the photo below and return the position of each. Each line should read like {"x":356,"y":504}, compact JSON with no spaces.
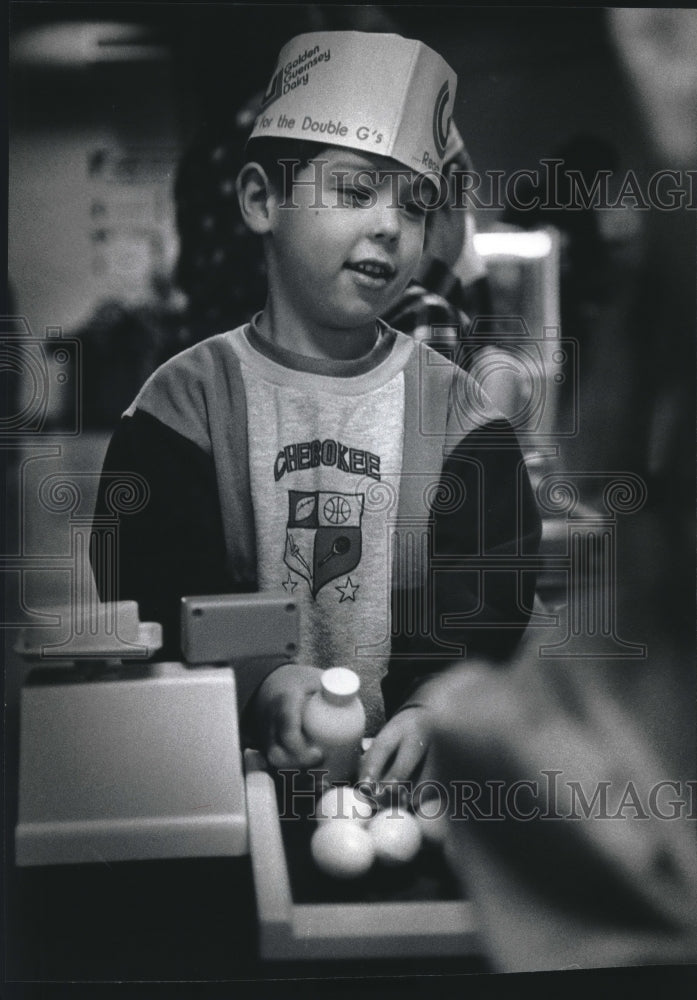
{"x":346,"y":240}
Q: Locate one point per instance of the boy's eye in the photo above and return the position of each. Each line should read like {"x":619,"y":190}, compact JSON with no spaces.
{"x":414,"y":207}
{"x":355,"y":197}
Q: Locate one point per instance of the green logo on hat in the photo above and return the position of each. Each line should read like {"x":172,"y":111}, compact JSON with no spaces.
{"x":441,"y":124}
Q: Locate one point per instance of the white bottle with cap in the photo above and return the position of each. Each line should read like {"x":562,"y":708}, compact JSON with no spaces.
{"x":334,"y":720}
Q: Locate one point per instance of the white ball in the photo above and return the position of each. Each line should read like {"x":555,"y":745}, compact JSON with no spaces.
{"x":342,"y":848}
{"x":343,"y":802}
{"x":396,"y":835}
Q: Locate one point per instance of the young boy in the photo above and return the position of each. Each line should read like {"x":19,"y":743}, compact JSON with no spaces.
{"x":319,"y":451}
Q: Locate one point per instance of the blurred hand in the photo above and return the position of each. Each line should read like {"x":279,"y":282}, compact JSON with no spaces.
{"x":399,"y":748}
{"x":280,"y":703}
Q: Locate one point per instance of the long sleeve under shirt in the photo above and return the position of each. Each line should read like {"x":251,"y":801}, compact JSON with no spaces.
{"x":384,"y":494}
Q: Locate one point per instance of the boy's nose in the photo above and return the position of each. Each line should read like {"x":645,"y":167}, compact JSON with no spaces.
{"x":385,"y":221}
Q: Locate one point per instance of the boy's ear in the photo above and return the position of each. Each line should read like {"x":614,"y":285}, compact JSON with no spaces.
{"x":256,"y":197}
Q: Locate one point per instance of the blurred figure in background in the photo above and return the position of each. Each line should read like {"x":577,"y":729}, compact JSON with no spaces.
{"x":451,"y":286}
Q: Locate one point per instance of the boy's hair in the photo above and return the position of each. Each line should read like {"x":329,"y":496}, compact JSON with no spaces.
{"x":269,"y":153}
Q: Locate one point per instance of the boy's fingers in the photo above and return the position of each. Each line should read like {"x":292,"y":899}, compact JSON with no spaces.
{"x":291,"y":738}
{"x":276,"y":756}
{"x":279,"y":757}
{"x":375,"y":759}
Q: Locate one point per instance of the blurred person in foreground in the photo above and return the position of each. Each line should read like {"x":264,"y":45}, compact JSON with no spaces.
{"x":575,"y":828}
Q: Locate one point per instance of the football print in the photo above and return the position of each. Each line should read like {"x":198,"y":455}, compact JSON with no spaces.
{"x":304,"y":508}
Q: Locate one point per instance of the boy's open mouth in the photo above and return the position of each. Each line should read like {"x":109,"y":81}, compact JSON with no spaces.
{"x":373,"y":271}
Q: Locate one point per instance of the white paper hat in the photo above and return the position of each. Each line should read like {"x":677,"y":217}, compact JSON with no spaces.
{"x":375,"y":93}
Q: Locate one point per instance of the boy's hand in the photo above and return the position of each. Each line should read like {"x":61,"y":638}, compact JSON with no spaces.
{"x":280,"y":703}
{"x":399,"y":748}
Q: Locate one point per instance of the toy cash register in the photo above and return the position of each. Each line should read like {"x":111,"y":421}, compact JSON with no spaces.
{"x":123,"y":759}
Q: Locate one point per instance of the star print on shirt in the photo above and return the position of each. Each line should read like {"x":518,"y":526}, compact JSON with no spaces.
{"x":290,"y":584}
{"x":348,"y":591}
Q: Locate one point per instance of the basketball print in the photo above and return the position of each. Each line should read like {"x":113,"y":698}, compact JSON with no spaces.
{"x":337,"y":510}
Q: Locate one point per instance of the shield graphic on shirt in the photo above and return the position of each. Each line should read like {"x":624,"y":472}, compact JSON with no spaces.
{"x":323,"y":535}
